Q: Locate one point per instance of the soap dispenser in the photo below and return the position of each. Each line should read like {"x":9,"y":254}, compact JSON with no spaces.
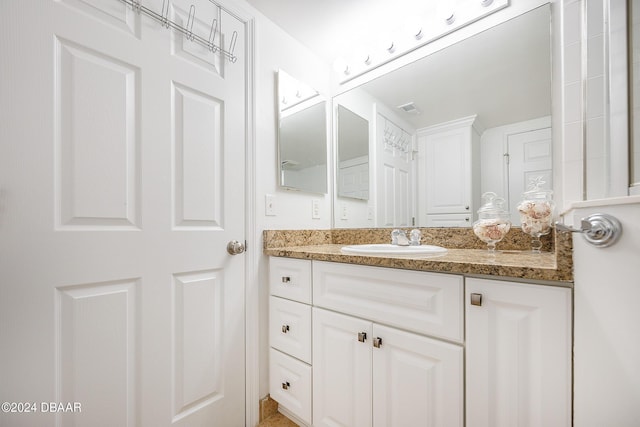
{"x":493,"y":221}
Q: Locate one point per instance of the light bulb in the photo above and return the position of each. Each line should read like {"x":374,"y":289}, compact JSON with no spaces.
{"x":415,"y":28}
{"x":450,"y":19}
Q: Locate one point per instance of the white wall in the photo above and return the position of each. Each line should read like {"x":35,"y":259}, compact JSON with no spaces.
{"x":606,"y":321}
{"x":275,"y":50}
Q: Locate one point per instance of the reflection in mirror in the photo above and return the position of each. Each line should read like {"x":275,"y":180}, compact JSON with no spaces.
{"x":477,"y":111}
{"x":302,"y":136}
{"x":353,"y":154}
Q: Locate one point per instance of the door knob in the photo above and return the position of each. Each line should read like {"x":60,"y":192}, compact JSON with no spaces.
{"x":234,"y":247}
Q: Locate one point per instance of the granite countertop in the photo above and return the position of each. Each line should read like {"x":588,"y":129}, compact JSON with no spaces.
{"x":464,"y":256}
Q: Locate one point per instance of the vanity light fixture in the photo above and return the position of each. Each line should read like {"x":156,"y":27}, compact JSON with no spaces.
{"x":416,"y":32}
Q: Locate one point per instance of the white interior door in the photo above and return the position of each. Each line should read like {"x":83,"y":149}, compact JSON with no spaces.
{"x":530,"y":156}
{"x":121,"y":182}
{"x":395,"y":175}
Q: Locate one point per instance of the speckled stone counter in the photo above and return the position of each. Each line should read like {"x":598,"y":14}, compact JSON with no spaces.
{"x":466,"y":253}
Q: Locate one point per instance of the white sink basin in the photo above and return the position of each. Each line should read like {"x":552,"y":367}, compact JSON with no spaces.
{"x":389,"y":249}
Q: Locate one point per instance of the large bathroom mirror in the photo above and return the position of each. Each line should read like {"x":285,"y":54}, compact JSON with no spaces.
{"x":353,"y":154}
{"x":302,"y":136}
{"x":502,"y":76}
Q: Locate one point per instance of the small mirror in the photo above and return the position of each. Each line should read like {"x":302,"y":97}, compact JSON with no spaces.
{"x":353,"y":154}
{"x":302,"y":136}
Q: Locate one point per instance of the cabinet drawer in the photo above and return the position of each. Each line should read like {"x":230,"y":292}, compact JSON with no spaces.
{"x":290,"y":278}
{"x":290,"y":328}
{"x":427,"y":303}
{"x":290,"y":384}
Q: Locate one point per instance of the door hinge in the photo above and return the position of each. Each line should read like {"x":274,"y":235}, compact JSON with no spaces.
{"x":506,"y":157}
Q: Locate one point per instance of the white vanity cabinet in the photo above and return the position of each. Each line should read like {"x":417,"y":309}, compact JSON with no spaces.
{"x":378,"y":338}
{"x":355,"y":345}
{"x":449,"y":175}
{"x":518,"y":354}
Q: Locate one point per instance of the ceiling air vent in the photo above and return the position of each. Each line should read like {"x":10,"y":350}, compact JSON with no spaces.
{"x":409,"y":108}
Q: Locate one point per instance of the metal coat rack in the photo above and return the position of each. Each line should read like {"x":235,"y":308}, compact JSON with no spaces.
{"x":163,"y":19}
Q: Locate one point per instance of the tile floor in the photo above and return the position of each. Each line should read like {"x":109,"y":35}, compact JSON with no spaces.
{"x":277,"y":420}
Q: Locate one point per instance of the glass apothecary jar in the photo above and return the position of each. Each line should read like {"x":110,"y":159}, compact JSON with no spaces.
{"x":536,"y":212}
{"x":493,"y":221}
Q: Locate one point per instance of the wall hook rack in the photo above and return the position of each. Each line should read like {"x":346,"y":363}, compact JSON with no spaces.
{"x":163,"y":19}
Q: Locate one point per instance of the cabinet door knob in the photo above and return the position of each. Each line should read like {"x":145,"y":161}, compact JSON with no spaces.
{"x":286,"y":279}
{"x":286,"y":385}
{"x":476,"y":299}
{"x":285,"y":329}
{"x":362,"y":336}
{"x":466,"y":207}
{"x":377,"y":342}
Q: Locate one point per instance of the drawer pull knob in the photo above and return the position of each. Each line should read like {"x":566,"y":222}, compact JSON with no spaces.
{"x":377,"y":342}
{"x":362,"y":336}
{"x":476,"y":299}
{"x":286,"y":279}
{"x":285,"y":329}
{"x":286,"y":385}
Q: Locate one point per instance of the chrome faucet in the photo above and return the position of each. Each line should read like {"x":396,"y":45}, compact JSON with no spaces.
{"x":399,"y":237}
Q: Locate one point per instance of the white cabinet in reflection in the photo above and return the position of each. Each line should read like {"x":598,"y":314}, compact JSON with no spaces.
{"x":449,"y":178}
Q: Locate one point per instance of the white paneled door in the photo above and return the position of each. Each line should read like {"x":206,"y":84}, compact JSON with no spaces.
{"x":122,"y":150}
{"x":530,"y":156}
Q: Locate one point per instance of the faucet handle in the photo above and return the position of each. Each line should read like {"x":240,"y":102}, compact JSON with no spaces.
{"x":415,"y":237}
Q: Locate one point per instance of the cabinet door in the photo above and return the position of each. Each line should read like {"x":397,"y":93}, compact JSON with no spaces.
{"x":518,"y":364}
{"x":417,"y":381}
{"x":448,"y":171}
{"x":341,"y":370}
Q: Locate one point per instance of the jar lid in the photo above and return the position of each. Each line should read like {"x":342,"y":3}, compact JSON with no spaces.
{"x":492,"y":206}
